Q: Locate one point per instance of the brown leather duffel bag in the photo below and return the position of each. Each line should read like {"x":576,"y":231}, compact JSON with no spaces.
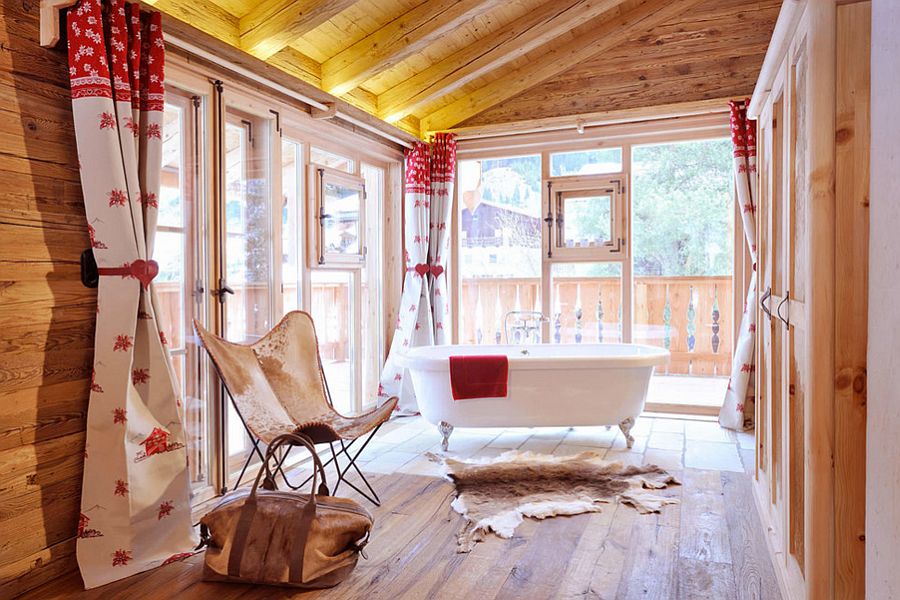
{"x":284,"y":538}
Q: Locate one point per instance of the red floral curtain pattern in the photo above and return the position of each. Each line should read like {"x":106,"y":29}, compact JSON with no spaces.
{"x":425,"y":302}
{"x":737,"y":411}
{"x":135,"y":502}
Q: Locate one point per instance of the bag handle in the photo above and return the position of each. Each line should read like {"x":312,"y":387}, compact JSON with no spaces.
{"x":303,"y":524}
{"x":292,"y":439}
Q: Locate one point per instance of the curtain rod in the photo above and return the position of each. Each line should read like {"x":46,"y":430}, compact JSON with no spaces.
{"x":196,"y":50}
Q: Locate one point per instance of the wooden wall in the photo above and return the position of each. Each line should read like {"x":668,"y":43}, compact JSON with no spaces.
{"x":46,"y":315}
{"x":712,"y":51}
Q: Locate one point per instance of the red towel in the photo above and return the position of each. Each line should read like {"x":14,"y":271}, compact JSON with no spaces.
{"x":479,"y":376}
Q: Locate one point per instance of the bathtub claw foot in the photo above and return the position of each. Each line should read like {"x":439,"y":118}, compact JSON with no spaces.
{"x":446,"y":429}
{"x":626,"y":426}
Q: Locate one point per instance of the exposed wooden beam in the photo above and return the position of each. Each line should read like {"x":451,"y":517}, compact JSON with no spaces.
{"x":203,"y":15}
{"x":398,"y":40}
{"x":274,"y":24}
{"x":598,"y":39}
{"x":523,"y":35}
{"x":215,"y":54}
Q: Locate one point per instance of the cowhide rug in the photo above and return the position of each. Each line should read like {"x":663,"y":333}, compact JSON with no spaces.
{"x":495,"y":494}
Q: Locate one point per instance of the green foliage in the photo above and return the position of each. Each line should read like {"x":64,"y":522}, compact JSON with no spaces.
{"x":682,"y":203}
{"x":582,"y":162}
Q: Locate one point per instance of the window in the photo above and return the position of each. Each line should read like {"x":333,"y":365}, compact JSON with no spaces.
{"x":587,"y":303}
{"x":235,"y":250}
{"x":587,"y":218}
{"x":372,"y":325}
{"x":340,"y":218}
{"x":248,"y":251}
{"x":586,"y":162}
{"x":499,"y":217}
{"x":292,"y":218}
{"x":332,"y":310}
{"x":627,"y":244}
{"x":177,"y":248}
{"x":248,"y":245}
{"x":683,"y":275}
{"x":324,"y":158}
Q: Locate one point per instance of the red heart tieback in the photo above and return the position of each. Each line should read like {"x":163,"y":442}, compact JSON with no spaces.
{"x":436,"y":270}
{"x":142,"y":270}
{"x":421,"y":269}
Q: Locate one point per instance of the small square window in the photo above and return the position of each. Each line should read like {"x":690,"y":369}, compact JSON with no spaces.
{"x":339,"y":224}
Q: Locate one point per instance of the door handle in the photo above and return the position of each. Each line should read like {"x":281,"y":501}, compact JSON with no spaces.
{"x":787,"y":322}
{"x":223,"y":289}
{"x":762,"y":302}
{"x":549,"y":221}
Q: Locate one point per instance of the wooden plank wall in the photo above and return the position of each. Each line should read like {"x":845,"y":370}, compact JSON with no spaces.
{"x":46,"y":315}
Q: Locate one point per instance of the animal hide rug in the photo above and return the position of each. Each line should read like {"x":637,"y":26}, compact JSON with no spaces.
{"x":495,"y":494}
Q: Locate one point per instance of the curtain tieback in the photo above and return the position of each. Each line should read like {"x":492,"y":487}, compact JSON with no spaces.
{"x":423,"y":268}
{"x":142,"y":270}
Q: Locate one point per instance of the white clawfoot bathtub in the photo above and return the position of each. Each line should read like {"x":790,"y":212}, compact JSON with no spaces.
{"x":550,"y":385}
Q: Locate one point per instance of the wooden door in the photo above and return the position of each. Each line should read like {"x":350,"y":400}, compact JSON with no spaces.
{"x":783,"y":266}
{"x":793,"y":316}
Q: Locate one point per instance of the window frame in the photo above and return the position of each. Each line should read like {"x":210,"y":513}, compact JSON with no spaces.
{"x":286,"y":119}
{"x":626,"y":135}
{"x":317,"y":254}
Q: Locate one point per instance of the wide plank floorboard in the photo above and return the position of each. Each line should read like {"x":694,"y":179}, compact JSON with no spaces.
{"x":710,"y":546}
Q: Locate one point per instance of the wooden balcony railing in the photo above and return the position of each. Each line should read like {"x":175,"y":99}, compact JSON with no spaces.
{"x":690,"y":316}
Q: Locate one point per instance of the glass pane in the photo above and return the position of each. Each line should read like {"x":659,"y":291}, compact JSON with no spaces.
{"x":372,"y":326}
{"x":171,"y":284}
{"x":340,"y":228}
{"x":586,"y":220}
{"x":171,"y":211}
{"x":330,"y":159}
{"x":683,"y":253}
{"x":178,"y":271}
{"x":587,"y":303}
{"x":292,"y":233}
{"x":248,"y":251}
{"x":332,"y":312}
{"x":586,"y":162}
{"x":247,"y":225}
{"x":500,"y":244}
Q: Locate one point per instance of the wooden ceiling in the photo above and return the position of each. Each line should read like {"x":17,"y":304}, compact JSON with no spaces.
{"x":437,"y":64}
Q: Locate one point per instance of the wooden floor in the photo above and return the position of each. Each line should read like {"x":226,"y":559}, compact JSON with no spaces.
{"x":709,"y":546}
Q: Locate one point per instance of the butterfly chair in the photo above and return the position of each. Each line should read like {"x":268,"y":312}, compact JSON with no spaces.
{"x":277,"y":386}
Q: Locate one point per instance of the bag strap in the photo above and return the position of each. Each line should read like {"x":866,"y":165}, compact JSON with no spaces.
{"x":295,"y":439}
{"x":248,"y":510}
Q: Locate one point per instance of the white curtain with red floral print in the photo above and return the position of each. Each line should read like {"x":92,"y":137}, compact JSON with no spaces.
{"x":443,"y":169}
{"x":425,"y":303}
{"x":737,"y":411}
{"x":135,"y":500}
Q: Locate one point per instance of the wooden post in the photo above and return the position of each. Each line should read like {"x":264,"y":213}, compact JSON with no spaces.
{"x":819,"y":410}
